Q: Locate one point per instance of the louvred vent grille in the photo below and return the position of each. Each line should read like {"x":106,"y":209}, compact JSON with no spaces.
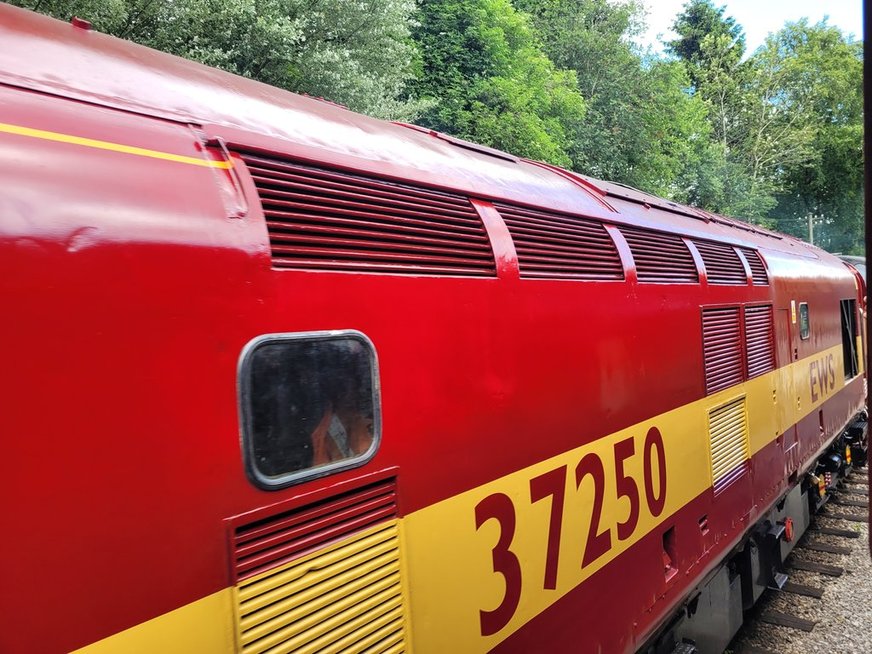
{"x":264,"y":544}
{"x":346,"y":596}
{"x":559,"y":246}
{"x":722,"y":264}
{"x":759,"y":338}
{"x":320,"y":219}
{"x":758,"y":268}
{"x":660,"y":257}
{"x":722,"y":348}
{"x":728,"y":433}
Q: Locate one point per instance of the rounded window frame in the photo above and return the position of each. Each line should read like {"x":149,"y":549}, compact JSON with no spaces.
{"x":804,"y":336}
{"x":243,"y":383}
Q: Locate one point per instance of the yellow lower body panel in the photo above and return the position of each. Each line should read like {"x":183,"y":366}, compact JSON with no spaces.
{"x":202,"y":627}
{"x":348,"y":597}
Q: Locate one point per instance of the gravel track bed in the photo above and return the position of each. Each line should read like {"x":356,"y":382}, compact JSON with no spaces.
{"x":843,"y":616}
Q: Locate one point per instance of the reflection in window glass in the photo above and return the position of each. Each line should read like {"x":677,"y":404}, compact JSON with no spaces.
{"x":310,"y":405}
{"x":803,"y":320}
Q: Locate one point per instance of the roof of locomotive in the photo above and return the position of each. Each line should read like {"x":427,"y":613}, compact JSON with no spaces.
{"x":58,"y":58}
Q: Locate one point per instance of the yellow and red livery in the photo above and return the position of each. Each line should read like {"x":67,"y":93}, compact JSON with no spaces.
{"x":587,"y":398}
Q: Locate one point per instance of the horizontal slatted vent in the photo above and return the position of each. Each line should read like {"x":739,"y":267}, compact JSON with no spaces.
{"x":758,"y":268}
{"x":722,"y":264}
{"x":722,"y":348}
{"x":348,"y":599}
{"x":345,"y":597}
{"x":759,"y":340}
{"x":660,"y":257}
{"x":321,"y":219}
{"x":267,"y":543}
{"x":559,"y":246}
{"x":728,"y":431}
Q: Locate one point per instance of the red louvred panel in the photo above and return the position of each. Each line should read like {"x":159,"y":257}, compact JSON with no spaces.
{"x":759,"y":340}
{"x":660,"y":257}
{"x":722,"y":348}
{"x":722,"y":264}
{"x":264,"y":544}
{"x":320,"y":219}
{"x":758,"y":268}
{"x":553,"y":245}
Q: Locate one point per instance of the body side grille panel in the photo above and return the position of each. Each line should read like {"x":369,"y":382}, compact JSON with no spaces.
{"x":551,"y":245}
{"x":759,"y":340}
{"x":730,"y":449}
{"x":758,"y":268}
{"x":325,"y":577}
{"x":722,"y":348}
{"x":660,"y":257}
{"x":320,"y":219}
{"x":346,"y":599}
{"x":722,"y":264}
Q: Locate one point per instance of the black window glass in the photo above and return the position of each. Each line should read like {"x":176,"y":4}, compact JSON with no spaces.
{"x":310,"y":405}
{"x":848,"y":310}
{"x":803,"y":321}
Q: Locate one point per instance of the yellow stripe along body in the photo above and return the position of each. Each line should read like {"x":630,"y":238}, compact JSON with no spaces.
{"x":447,"y":565}
{"x":110,"y":146}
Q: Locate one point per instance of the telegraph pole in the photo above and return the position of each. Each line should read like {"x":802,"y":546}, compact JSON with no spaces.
{"x":811,"y":228}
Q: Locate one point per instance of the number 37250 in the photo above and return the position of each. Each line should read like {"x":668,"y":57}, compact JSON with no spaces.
{"x":599,"y":539}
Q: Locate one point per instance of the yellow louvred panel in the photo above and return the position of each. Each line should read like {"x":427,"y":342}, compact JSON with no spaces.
{"x":730,"y":448}
{"x":345,"y":598}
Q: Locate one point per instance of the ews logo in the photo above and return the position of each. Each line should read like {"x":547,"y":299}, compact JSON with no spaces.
{"x":822,"y":374}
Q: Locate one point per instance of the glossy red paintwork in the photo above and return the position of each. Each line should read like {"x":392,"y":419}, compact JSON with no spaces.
{"x":129,"y":290}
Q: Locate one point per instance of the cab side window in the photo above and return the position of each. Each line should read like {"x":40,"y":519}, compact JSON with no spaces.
{"x":848,"y":311}
{"x":309,"y":405}
{"x":804,"y":325}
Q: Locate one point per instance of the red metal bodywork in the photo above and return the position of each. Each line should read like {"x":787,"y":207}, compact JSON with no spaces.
{"x":130,"y":286}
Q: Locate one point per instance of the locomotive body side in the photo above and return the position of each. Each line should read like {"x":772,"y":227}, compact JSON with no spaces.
{"x":548,"y":446}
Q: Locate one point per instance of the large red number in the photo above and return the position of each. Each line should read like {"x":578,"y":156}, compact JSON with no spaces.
{"x":597,"y":543}
{"x":656,"y":502}
{"x":551,"y":483}
{"x":626,"y":487}
{"x":500,"y":508}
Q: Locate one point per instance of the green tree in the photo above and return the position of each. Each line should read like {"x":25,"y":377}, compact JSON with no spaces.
{"x":704,"y":32}
{"x":820,"y":98}
{"x":590,"y":37}
{"x":489,"y":81}
{"x":677,"y":145}
{"x":355,"y":52}
{"x":785,"y":122}
{"x":711,"y":46}
{"x":643,"y":127}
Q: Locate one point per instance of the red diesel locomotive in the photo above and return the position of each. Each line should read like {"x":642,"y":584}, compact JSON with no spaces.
{"x":279,"y":377}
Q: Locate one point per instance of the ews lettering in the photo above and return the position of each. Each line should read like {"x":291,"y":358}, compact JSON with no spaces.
{"x":822,"y":376}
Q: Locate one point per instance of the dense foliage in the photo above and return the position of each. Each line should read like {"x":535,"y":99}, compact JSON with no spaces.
{"x":487,"y":79}
{"x":772,"y":136}
{"x":355,"y":52}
